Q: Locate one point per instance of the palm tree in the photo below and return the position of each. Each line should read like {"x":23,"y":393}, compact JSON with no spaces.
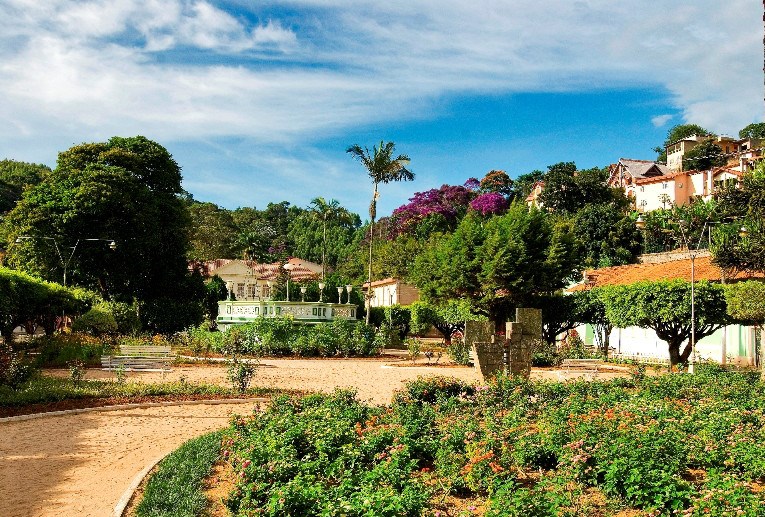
{"x":327,"y":210}
{"x":382,"y":168}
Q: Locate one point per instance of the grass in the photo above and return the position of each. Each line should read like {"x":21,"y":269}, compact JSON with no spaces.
{"x":46,"y":390}
{"x":177,"y":488}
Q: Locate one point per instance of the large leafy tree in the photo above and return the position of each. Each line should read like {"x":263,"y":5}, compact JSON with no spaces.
{"x":14,"y":177}
{"x":500,"y":263}
{"x":381,"y":167}
{"x":126,"y":190}
{"x":568,"y":190}
{"x":608,"y":236}
{"x":212,"y":232}
{"x":755,"y":130}
{"x":665,"y":307}
{"x":739,"y":207}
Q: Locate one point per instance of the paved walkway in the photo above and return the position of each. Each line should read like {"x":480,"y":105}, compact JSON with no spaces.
{"x":80,"y":464}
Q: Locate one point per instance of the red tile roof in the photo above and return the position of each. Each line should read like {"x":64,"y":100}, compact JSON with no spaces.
{"x":674,"y":269}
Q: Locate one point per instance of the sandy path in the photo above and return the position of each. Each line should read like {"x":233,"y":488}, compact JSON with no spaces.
{"x":80,"y":465}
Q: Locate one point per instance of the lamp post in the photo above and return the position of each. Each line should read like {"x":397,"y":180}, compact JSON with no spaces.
{"x":692,"y":253}
{"x":340,"y":295}
{"x":303,"y":289}
{"x":321,"y":291}
{"x":65,"y":263}
{"x":288,"y":267}
{"x":348,"y":288}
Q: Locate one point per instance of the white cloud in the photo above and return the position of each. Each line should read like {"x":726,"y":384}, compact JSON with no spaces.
{"x":660,"y":120}
{"x":192,"y":69}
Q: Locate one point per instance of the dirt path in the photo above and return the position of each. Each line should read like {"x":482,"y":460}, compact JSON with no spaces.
{"x":80,"y":464}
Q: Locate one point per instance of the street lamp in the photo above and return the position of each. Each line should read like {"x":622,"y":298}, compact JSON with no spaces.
{"x":349,"y":288}
{"x":65,"y":263}
{"x":303,"y":289}
{"x":288,"y":267}
{"x":321,"y":291}
{"x":340,"y":294}
{"x":692,"y":254}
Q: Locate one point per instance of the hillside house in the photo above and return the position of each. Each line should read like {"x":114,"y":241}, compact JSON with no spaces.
{"x":392,"y":291}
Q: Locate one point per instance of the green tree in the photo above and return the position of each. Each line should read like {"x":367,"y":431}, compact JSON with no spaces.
{"x":608,"y":236}
{"x":665,"y":308}
{"x":500,"y":264}
{"x":29,"y":301}
{"x":212,"y":233}
{"x":448,"y":318}
{"x":562,"y":312}
{"x":568,"y":190}
{"x":126,"y":189}
{"x":14,"y":177}
{"x":382,"y":167}
{"x":328,"y":211}
{"x":746,"y":303}
{"x":676,"y":133}
{"x":739,"y":207}
{"x":755,"y":130}
{"x":704,"y":156}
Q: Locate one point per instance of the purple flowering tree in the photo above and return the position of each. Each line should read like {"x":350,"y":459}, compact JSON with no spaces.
{"x":491,"y":203}
{"x":450,"y":202}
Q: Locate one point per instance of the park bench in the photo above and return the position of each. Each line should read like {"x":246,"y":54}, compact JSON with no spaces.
{"x":588,"y":366}
{"x":154,"y":358}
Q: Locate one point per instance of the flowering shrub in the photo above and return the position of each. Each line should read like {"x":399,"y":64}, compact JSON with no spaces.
{"x":686,"y":445}
{"x":490,"y":203}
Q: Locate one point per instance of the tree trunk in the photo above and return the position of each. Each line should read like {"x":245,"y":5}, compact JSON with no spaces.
{"x":675,"y":356}
{"x":372,"y":214}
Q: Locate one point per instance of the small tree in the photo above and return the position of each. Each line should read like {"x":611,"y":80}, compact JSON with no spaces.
{"x":746,"y":303}
{"x":448,"y":318}
{"x":665,"y":307}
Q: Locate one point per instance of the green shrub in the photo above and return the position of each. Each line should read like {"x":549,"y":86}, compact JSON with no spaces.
{"x":98,"y":321}
{"x":459,"y":352}
{"x":59,"y":349}
{"x":125,"y":315}
{"x":14,"y":369}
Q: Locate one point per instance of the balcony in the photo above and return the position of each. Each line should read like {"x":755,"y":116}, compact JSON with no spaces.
{"x":239,"y":312}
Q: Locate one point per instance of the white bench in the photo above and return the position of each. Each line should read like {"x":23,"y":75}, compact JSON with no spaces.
{"x":152,"y":358}
{"x":588,"y":366}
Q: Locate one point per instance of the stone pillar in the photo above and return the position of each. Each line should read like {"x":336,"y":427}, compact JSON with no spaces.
{"x":521,"y":338}
{"x":487,"y":351}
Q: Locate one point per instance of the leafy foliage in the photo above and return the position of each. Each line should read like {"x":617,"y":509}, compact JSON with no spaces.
{"x":665,"y":307}
{"x":655,"y":445}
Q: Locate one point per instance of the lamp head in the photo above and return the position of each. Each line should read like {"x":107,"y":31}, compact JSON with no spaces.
{"x":112,"y":245}
{"x":640,"y":222}
{"x":743,"y":232}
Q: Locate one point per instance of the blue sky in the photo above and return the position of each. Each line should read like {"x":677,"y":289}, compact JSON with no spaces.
{"x":258,"y":100}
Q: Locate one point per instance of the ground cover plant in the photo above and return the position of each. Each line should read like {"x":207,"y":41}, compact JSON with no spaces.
{"x":41,"y":393}
{"x":674,"y":444}
{"x":176,"y":488}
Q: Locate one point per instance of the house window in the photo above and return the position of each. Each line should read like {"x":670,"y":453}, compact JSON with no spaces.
{"x":642,"y":189}
{"x":665,"y":185}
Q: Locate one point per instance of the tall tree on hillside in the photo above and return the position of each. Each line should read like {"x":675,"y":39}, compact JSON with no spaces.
{"x":676,"y":133}
{"x":327,"y":210}
{"x":704,"y":156}
{"x":755,"y":130}
{"x":382,"y":167}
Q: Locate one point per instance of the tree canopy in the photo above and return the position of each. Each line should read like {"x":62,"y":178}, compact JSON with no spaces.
{"x":665,"y":307}
{"x":676,"y":133}
{"x":126,"y":190}
{"x":754,"y":130}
